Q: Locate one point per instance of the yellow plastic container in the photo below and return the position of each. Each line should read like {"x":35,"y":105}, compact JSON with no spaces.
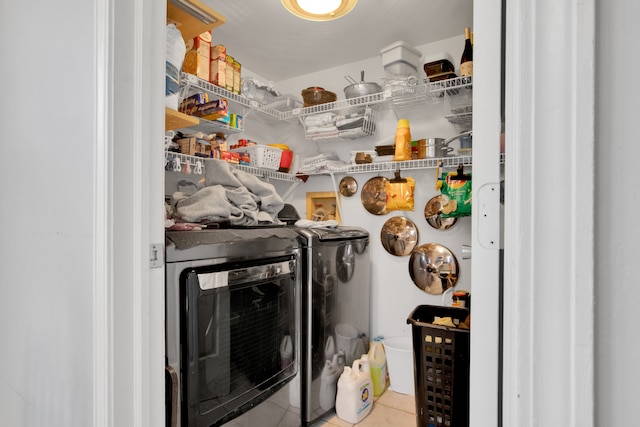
{"x":402,"y":141}
{"x":378,"y":365}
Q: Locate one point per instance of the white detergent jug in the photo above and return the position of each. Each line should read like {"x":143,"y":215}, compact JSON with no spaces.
{"x":354,"y":399}
{"x":329,"y":380}
{"x":378,"y":362}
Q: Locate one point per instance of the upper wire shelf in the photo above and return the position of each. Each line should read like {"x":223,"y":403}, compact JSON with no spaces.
{"x":398,"y":95}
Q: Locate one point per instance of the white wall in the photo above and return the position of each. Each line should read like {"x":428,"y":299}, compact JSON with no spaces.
{"x":81,"y":312}
{"x":616,"y":229}
{"x":394,"y":295}
{"x":47,"y":246}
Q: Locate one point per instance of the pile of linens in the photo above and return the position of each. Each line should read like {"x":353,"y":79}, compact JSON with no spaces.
{"x":332,"y":125}
{"x":229,"y":195}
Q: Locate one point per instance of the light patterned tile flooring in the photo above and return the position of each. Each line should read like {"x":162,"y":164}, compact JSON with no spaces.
{"x":390,"y":409}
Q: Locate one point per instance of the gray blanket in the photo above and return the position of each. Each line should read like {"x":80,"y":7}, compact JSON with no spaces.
{"x":230,"y":194}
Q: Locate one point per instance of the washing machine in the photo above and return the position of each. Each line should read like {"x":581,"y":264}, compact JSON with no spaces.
{"x":335,"y":312}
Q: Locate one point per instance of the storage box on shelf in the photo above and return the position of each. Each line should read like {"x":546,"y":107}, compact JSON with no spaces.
{"x":262,"y":156}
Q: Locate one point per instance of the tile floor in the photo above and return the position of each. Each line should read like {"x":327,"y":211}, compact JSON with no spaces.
{"x":390,"y":409}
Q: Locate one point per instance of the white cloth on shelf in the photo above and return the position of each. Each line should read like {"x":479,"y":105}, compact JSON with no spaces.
{"x":321,"y":129}
{"x":320,"y":119}
{"x":307,"y":223}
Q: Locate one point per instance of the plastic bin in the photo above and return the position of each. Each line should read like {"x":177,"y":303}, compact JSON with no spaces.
{"x":400,"y":364}
{"x":262,"y":156}
{"x":441,"y":363}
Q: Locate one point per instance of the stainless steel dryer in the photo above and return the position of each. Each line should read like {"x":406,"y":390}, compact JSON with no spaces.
{"x":232,"y":320}
{"x":335,"y":312}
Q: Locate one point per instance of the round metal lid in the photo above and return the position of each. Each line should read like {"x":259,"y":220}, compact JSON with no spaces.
{"x":374,"y":195}
{"x":433,"y":214}
{"x":399,"y":235}
{"x":348,"y":186}
{"x":433,"y":268}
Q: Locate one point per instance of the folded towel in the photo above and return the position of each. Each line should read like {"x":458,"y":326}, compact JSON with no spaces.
{"x":307,"y":223}
{"x":321,"y":129}
{"x":326,"y":135}
{"x":350,"y":123}
{"x":319,"y":119}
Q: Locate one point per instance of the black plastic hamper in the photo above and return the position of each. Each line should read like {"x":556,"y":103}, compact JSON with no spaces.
{"x":441,"y":367}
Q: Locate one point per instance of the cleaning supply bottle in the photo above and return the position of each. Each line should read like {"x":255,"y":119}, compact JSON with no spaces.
{"x":329,"y":380}
{"x":354,"y":399}
{"x":378,"y":362}
{"x":402,"y":141}
{"x":286,"y":354}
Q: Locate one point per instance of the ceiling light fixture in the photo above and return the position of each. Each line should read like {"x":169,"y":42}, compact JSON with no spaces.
{"x":319,"y":10}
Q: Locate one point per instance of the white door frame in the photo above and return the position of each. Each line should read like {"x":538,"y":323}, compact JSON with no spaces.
{"x":549,"y":214}
{"x":548,"y":305}
{"x":486,"y":230}
{"x":129,"y":187}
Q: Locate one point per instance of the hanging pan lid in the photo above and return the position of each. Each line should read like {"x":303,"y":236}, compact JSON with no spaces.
{"x":348,"y":186}
{"x":433,"y":268}
{"x":433,"y":213}
{"x":374,"y":195}
{"x":399,"y":236}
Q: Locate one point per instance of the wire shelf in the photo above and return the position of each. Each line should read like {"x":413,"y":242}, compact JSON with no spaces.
{"x":197,"y":167}
{"x":447,"y":162}
{"x":399,"y":95}
{"x":405,"y":94}
{"x":369,"y":117}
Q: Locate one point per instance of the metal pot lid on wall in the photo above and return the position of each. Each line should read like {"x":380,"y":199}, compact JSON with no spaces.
{"x":348,"y":186}
{"x":374,"y":195}
{"x":433,"y":268}
{"x":399,"y":236}
{"x":433,"y":214}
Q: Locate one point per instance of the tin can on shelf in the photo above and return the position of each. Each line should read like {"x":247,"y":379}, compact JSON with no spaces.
{"x":460,"y":299}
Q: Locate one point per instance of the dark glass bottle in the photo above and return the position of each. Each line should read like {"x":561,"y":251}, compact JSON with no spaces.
{"x":466,"y":61}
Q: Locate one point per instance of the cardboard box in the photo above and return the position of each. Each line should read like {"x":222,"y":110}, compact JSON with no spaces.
{"x":213,"y":110}
{"x":203,"y":148}
{"x":237,"y":81}
{"x":190,"y":104}
{"x":188,"y":146}
{"x":230,"y":71}
{"x":218,"y":52}
{"x":197,"y":58}
{"x":218,"y":72}
{"x":218,"y":65}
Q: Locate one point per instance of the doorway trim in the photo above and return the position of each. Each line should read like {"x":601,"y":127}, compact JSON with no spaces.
{"x":549,"y":213}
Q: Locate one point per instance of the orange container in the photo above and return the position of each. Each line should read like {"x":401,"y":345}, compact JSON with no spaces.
{"x":285,"y":161}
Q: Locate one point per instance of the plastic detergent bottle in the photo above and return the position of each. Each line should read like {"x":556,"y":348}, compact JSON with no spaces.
{"x":402,"y":141}
{"x":329,"y":379}
{"x":378,"y":363}
{"x":354,"y":399}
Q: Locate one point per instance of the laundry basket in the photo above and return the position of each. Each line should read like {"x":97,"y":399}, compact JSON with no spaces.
{"x":441,"y":364}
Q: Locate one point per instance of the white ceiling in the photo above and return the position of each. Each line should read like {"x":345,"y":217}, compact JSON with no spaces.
{"x":269,"y":41}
